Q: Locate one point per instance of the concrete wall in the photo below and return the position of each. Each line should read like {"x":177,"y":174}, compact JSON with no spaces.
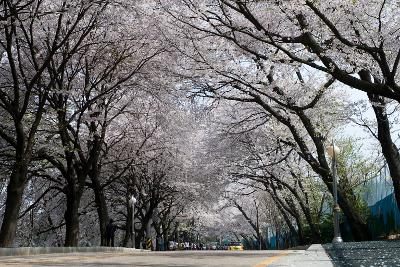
{"x":25,"y":251}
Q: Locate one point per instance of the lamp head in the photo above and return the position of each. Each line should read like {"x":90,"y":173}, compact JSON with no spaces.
{"x":133,"y":200}
{"x":333,"y":150}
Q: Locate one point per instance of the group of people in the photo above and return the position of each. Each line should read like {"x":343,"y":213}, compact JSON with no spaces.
{"x":192,"y":246}
{"x":110,"y":235}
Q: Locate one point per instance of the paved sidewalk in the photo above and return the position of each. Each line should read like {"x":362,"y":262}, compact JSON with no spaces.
{"x":314,"y":256}
{"x":365,"y":254}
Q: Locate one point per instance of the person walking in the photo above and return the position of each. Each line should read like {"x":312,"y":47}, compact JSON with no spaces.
{"x":110,"y":233}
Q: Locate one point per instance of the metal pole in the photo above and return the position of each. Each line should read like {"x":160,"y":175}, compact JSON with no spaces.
{"x":133,"y":225}
{"x":336,"y":229}
{"x":132,"y":201}
{"x":148,"y":228}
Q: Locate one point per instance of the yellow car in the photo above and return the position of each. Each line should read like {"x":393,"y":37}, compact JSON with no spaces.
{"x":235,"y":246}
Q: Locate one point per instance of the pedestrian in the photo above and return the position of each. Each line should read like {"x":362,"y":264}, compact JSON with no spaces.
{"x":110,"y":233}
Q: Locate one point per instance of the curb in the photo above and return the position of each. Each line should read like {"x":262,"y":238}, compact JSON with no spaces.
{"x":319,"y":256}
{"x":26,"y":251}
{"x":316,"y":248}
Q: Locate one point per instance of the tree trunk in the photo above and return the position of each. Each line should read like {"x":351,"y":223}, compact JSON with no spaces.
{"x":94,"y":163}
{"x":158,"y":241}
{"x":140,"y":235}
{"x":315,"y":233}
{"x":389,"y":148}
{"x":128,"y":228}
{"x":102,"y":211}
{"x":126,"y":237}
{"x":300,"y":230}
{"x":358,"y":227}
{"x":15,"y":191}
{"x":289,"y":208}
{"x":261,"y":245}
{"x":165,"y":230}
{"x":72,"y":218}
{"x":288,"y":223}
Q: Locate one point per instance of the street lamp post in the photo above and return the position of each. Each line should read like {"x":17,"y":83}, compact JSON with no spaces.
{"x":333,"y":150}
{"x":132,"y":202}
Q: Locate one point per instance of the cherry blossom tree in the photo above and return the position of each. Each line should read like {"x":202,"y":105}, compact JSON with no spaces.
{"x":180,"y":103}
{"x":33,"y":34}
{"x":353,"y":42}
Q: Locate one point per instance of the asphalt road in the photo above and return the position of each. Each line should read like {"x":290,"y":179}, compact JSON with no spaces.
{"x":146,"y":259}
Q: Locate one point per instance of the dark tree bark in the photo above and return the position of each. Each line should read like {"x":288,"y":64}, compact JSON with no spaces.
{"x":27,"y":68}
{"x":72,"y":217}
{"x":102,"y":212}
{"x":15,"y":99}
{"x":389,"y":149}
{"x":98,"y":189}
{"x":15,"y":191}
{"x":128,"y":228}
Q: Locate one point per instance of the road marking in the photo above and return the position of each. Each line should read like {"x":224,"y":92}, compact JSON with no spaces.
{"x":271,"y":260}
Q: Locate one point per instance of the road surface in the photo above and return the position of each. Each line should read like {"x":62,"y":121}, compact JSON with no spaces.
{"x":147,"y":259}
